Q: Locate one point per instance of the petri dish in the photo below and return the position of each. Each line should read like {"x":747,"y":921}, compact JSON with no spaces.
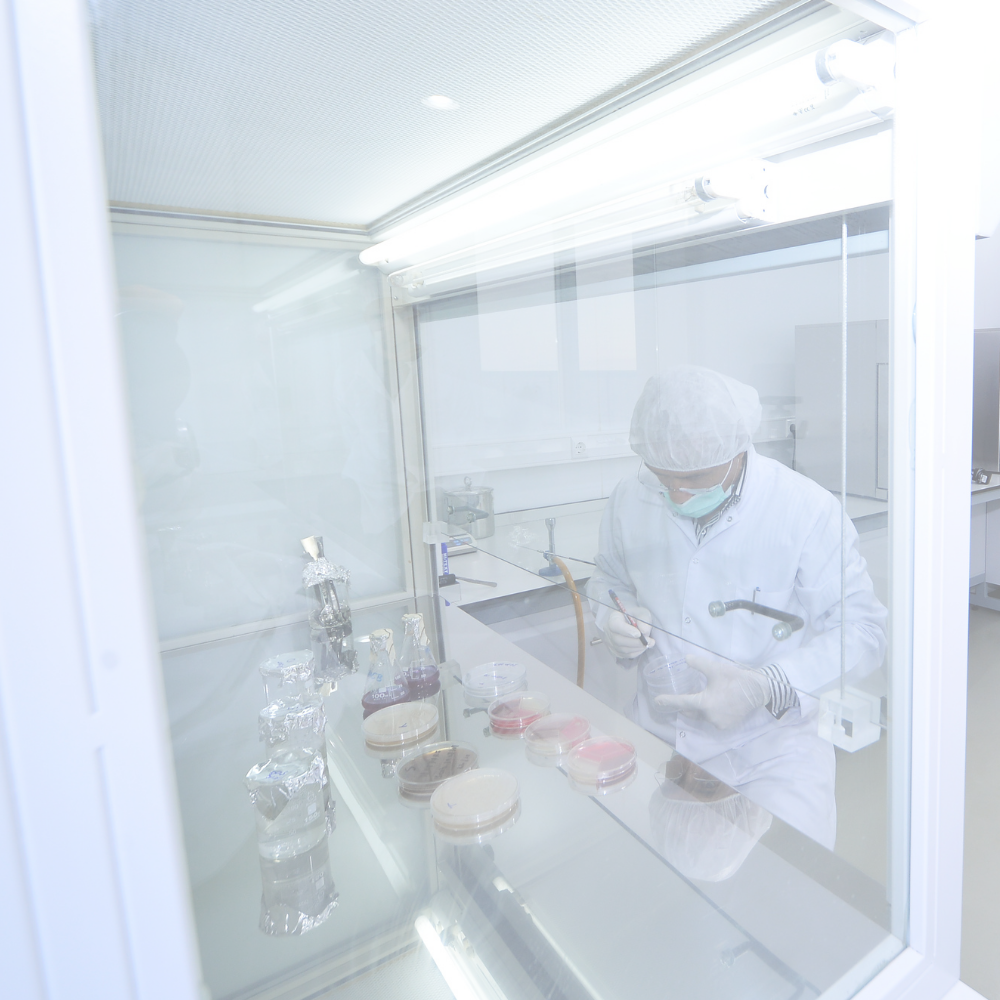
{"x":400,"y":725}
{"x":488,"y":681}
{"x":421,"y":771}
{"x":476,"y":805}
{"x":673,"y":677}
{"x":511,"y":714}
{"x":551,"y":736}
{"x":602,"y":764}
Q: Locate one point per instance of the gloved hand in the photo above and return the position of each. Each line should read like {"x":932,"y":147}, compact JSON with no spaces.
{"x":623,"y":639}
{"x":733,"y":692}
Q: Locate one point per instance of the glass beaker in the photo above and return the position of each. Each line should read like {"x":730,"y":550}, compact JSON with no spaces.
{"x":288,"y":676}
{"x":287,"y":795}
{"x":663,"y":676}
{"x":386,"y":684}
{"x":332,"y":645}
{"x":416,"y":660}
{"x":300,"y":726}
{"x":298,"y":894}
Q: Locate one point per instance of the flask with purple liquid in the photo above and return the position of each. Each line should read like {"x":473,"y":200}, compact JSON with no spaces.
{"x":386,"y":684}
{"x":416,"y":660}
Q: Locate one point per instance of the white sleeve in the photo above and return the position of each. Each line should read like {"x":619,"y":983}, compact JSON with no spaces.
{"x":817,"y":585}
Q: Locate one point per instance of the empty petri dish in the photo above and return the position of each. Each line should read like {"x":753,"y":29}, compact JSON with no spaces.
{"x":488,"y":681}
{"x":674,"y":677}
{"x":511,"y":714}
{"x":551,"y":736}
{"x":476,"y":805}
{"x":400,"y":725}
{"x":602,"y":764}
{"x":421,"y":771}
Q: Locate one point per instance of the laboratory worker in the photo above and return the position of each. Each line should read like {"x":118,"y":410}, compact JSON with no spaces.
{"x":707,"y":519}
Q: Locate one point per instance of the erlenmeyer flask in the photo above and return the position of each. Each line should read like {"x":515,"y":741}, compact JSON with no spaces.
{"x":416,"y":660}
{"x":386,"y":684}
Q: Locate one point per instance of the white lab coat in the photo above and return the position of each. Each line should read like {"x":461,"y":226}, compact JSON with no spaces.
{"x":779,"y":545}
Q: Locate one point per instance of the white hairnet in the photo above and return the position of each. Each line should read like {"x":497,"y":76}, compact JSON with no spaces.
{"x":692,"y":418}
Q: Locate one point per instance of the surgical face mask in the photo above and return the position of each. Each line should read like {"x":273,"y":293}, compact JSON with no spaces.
{"x":704,"y":499}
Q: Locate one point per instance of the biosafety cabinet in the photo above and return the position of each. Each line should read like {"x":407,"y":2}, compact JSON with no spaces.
{"x":496,"y":547}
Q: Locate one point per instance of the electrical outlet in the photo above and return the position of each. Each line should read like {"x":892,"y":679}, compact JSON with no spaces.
{"x":579,"y":449}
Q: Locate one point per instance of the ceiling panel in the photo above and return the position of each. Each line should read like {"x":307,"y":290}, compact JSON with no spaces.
{"x":312,"y":109}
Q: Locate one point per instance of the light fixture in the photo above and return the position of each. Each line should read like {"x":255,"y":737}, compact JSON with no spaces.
{"x":439,"y":102}
{"x":733,"y":197}
{"x":641,"y":169}
{"x":454,"y":975}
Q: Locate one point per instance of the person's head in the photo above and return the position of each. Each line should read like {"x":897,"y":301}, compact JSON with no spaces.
{"x":692,"y":427}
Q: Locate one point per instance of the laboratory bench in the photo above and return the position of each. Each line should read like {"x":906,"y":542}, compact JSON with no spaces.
{"x":583,"y":897}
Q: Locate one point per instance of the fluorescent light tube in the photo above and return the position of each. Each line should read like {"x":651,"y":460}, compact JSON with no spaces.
{"x":624,"y":165}
{"x":454,"y":975}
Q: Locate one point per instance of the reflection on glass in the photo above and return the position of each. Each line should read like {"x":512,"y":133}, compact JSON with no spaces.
{"x":664,"y":421}
{"x":298,"y":893}
{"x":702,"y":827}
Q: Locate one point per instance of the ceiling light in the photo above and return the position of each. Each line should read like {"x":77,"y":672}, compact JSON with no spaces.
{"x":646,"y":167}
{"x":439,"y":102}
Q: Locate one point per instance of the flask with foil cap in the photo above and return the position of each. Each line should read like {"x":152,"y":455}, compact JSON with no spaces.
{"x":288,"y":677}
{"x":287,"y":795}
{"x":386,"y":684}
{"x":416,"y":660}
{"x":299,"y":726}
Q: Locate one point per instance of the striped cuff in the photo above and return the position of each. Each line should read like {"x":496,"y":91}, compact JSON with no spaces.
{"x":783,"y":696}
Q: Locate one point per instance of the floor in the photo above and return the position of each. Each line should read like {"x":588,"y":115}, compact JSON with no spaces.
{"x":981,"y":914}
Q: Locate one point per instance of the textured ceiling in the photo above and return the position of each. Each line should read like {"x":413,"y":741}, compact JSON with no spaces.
{"x":311,"y":109}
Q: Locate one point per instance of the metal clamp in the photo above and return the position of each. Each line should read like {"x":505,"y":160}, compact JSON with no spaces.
{"x":786,"y":624}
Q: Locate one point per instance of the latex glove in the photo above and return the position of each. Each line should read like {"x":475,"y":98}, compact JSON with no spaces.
{"x":733,"y":692}
{"x":623,"y":639}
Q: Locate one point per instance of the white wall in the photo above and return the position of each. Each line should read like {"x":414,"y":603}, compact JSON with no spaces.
{"x":520,"y":429}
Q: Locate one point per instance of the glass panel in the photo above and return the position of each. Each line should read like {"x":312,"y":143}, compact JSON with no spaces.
{"x":261,"y":413}
{"x":531,"y":641}
{"x":743,"y":343}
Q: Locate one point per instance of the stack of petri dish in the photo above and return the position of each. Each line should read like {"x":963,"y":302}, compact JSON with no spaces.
{"x":482,"y":685}
{"x":400,"y":727}
{"x":601,"y":765}
{"x":511,"y":714}
{"x":476,"y":806}
{"x":548,"y":739}
{"x":421,"y":771}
